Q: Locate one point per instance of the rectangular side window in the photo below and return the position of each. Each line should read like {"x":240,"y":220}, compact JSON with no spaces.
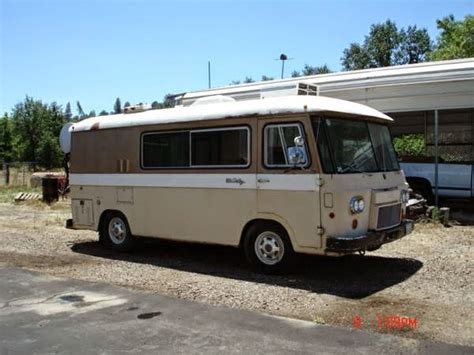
{"x":225,"y":147}
{"x":163,"y":150}
{"x":280,"y":148}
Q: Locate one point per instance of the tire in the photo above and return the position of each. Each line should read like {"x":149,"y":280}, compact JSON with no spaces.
{"x":115,"y":232}
{"x":268,"y":248}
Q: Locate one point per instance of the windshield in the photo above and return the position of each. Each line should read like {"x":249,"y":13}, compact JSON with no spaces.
{"x":349,"y":146}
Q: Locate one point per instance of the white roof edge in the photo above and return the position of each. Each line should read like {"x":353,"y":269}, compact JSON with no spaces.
{"x":424,"y":68}
{"x":271,"y":106}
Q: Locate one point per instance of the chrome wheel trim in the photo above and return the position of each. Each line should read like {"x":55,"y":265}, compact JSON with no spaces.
{"x":117,"y":230}
{"x":269,"y":248}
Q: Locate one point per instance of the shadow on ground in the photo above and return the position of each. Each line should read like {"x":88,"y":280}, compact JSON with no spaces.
{"x":352,"y":277}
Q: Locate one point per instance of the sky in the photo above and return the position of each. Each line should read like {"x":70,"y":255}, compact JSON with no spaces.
{"x":140,"y":50}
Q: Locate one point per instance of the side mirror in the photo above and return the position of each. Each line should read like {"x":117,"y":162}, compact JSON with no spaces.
{"x":299,"y":141}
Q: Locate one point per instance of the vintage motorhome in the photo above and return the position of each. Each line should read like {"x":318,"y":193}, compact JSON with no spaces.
{"x":276,"y":176}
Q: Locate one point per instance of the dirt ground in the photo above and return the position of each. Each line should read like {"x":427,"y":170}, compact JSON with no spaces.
{"x":426,"y":277}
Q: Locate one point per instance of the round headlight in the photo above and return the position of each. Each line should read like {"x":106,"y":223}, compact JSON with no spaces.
{"x":357,"y":204}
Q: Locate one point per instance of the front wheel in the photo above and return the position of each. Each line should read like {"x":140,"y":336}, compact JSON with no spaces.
{"x":268,"y":248}
{"x":115,"y":232}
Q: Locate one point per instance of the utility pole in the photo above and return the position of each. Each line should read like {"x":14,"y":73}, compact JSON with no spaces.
{"x":209,"y":73}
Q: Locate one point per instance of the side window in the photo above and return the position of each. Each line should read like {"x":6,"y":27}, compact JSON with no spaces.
{"x":163,"y":150}
{"x":281,"y":149}
{"x":226,"y":147}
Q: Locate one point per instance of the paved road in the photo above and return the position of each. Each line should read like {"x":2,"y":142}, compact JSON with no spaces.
{"x":44,"y":314}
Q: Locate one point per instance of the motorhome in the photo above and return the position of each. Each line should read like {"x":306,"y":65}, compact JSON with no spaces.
{"x":277,"y":176}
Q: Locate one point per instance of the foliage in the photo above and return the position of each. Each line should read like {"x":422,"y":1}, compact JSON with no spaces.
{"x":35,"y":128}
{"x":155,"y":104}
{"x":385,"y":45}
{"x":68,"y":112}
{"x":410,"y":145}
{"x":6,"y":140}
{"x":126,"y":104}
{"x":103,"y":113}
{"x":267,"y":78}
{"x":80,"y":111}
{"x":456,"y":39}
{"x":117,"y":106}
{"x":248,"y":80}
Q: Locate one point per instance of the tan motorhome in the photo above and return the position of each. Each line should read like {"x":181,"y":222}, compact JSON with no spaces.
{"x":279,"y":176}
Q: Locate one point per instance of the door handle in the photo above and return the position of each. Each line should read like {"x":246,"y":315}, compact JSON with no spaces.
{"x":263,"y":180}
{"x":234,"y":181}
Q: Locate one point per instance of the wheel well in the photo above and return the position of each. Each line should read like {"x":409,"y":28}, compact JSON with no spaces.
{"x":417,"y":181}
{"x":256,"y":221}
{"x":105,"y":213}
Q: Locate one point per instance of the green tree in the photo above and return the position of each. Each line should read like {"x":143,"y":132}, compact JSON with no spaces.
{"x":36,"y":128}
{"x":117,"y":106}
{"x":385,"y":45}
{"x":126,"y":104}
{"x":266,"y":78}
{"x":68,"y":112}
{"x":235,"y":82}
{"x":415,"y":45}
{"x":248,"y":80}
{"x":103,"y":113}
{"x":6,"y":140}
{"x":92,"y":114}
{"x":309,"y":70}
{"x":456,"y":39}
{"x":80,"y":111}
{"x":155,"y":105}
{"x":295,"y":74}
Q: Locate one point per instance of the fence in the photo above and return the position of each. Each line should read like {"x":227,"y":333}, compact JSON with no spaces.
{"x":17,"y":173}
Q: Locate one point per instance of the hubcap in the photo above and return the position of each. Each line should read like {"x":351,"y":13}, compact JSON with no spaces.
{"x":269,"y":248}
{"x":117,"y":230}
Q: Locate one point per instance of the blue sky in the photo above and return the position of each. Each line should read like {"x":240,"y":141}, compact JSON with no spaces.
{"x":95,"y":51}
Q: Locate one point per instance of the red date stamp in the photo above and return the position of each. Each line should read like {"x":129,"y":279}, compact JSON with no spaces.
{"x":388,"y":322}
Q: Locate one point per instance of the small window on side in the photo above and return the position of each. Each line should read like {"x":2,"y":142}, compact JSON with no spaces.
{"x":280,"y":147}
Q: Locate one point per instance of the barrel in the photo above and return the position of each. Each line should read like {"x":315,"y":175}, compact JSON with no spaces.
{"x":50,"y":189}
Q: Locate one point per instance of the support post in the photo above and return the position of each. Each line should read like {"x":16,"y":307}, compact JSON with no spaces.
{"x":436,"y":137}
{"x":209,"y":73}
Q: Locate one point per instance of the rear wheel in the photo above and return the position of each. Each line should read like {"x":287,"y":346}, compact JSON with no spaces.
{"x":115,"y":232}
{"x":268,"y":248}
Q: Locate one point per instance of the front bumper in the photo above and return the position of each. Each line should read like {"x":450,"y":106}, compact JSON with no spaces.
{"x":370,"y":241}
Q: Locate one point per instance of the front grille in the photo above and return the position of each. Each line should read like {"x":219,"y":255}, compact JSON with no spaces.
{"x":389,"y":216}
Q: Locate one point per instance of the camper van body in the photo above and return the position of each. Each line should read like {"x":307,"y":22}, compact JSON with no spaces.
{"x":260,"y":174}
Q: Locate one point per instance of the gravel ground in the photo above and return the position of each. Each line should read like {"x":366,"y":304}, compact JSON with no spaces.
{"x":427,"y":275}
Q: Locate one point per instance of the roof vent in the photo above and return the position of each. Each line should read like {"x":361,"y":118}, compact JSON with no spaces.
{"x":137,"y":108}
{"x":215,"y":99}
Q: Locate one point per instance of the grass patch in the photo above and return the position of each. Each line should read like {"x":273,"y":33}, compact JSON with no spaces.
{"x":7,"y":194}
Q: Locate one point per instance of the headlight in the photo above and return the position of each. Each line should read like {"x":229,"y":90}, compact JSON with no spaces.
{"x":404,"y":196}
{"x":357,"y":204}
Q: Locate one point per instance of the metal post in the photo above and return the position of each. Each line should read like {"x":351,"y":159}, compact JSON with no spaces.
{"x":436,"y":137}
{"x":282,"y":68}
{"x":209,"y":73}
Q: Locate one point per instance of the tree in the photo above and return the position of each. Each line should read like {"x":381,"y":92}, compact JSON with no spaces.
{"x":117,"y":106}
{"x":248,"y":80}
{"x":295,"y":74}
{"x":168,"y":101}
{"x":126,"y":104}
{"x":80,"y":111}
{"x":456,"y":39}
{"x":235,"y":82}
{"x":309,"y":70}
{"x":266,"y":78}
{"x":385,"y":45}
{"x":355,"y":57}
{"x":92,"y":114}
{"x":103,"y":113}
{"x":36,"y":128}
{"x":68,"y":112}
{"x":6,"y":141}
{"x":415,"y":45}
{"x":155,"y":105}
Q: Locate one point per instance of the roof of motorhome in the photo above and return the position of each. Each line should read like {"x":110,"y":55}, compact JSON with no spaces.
{"x":458,"y":69}
{"x":271,"y":106}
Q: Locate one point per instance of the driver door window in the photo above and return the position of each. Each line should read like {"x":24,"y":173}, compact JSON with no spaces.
{"x":280,"y":149}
